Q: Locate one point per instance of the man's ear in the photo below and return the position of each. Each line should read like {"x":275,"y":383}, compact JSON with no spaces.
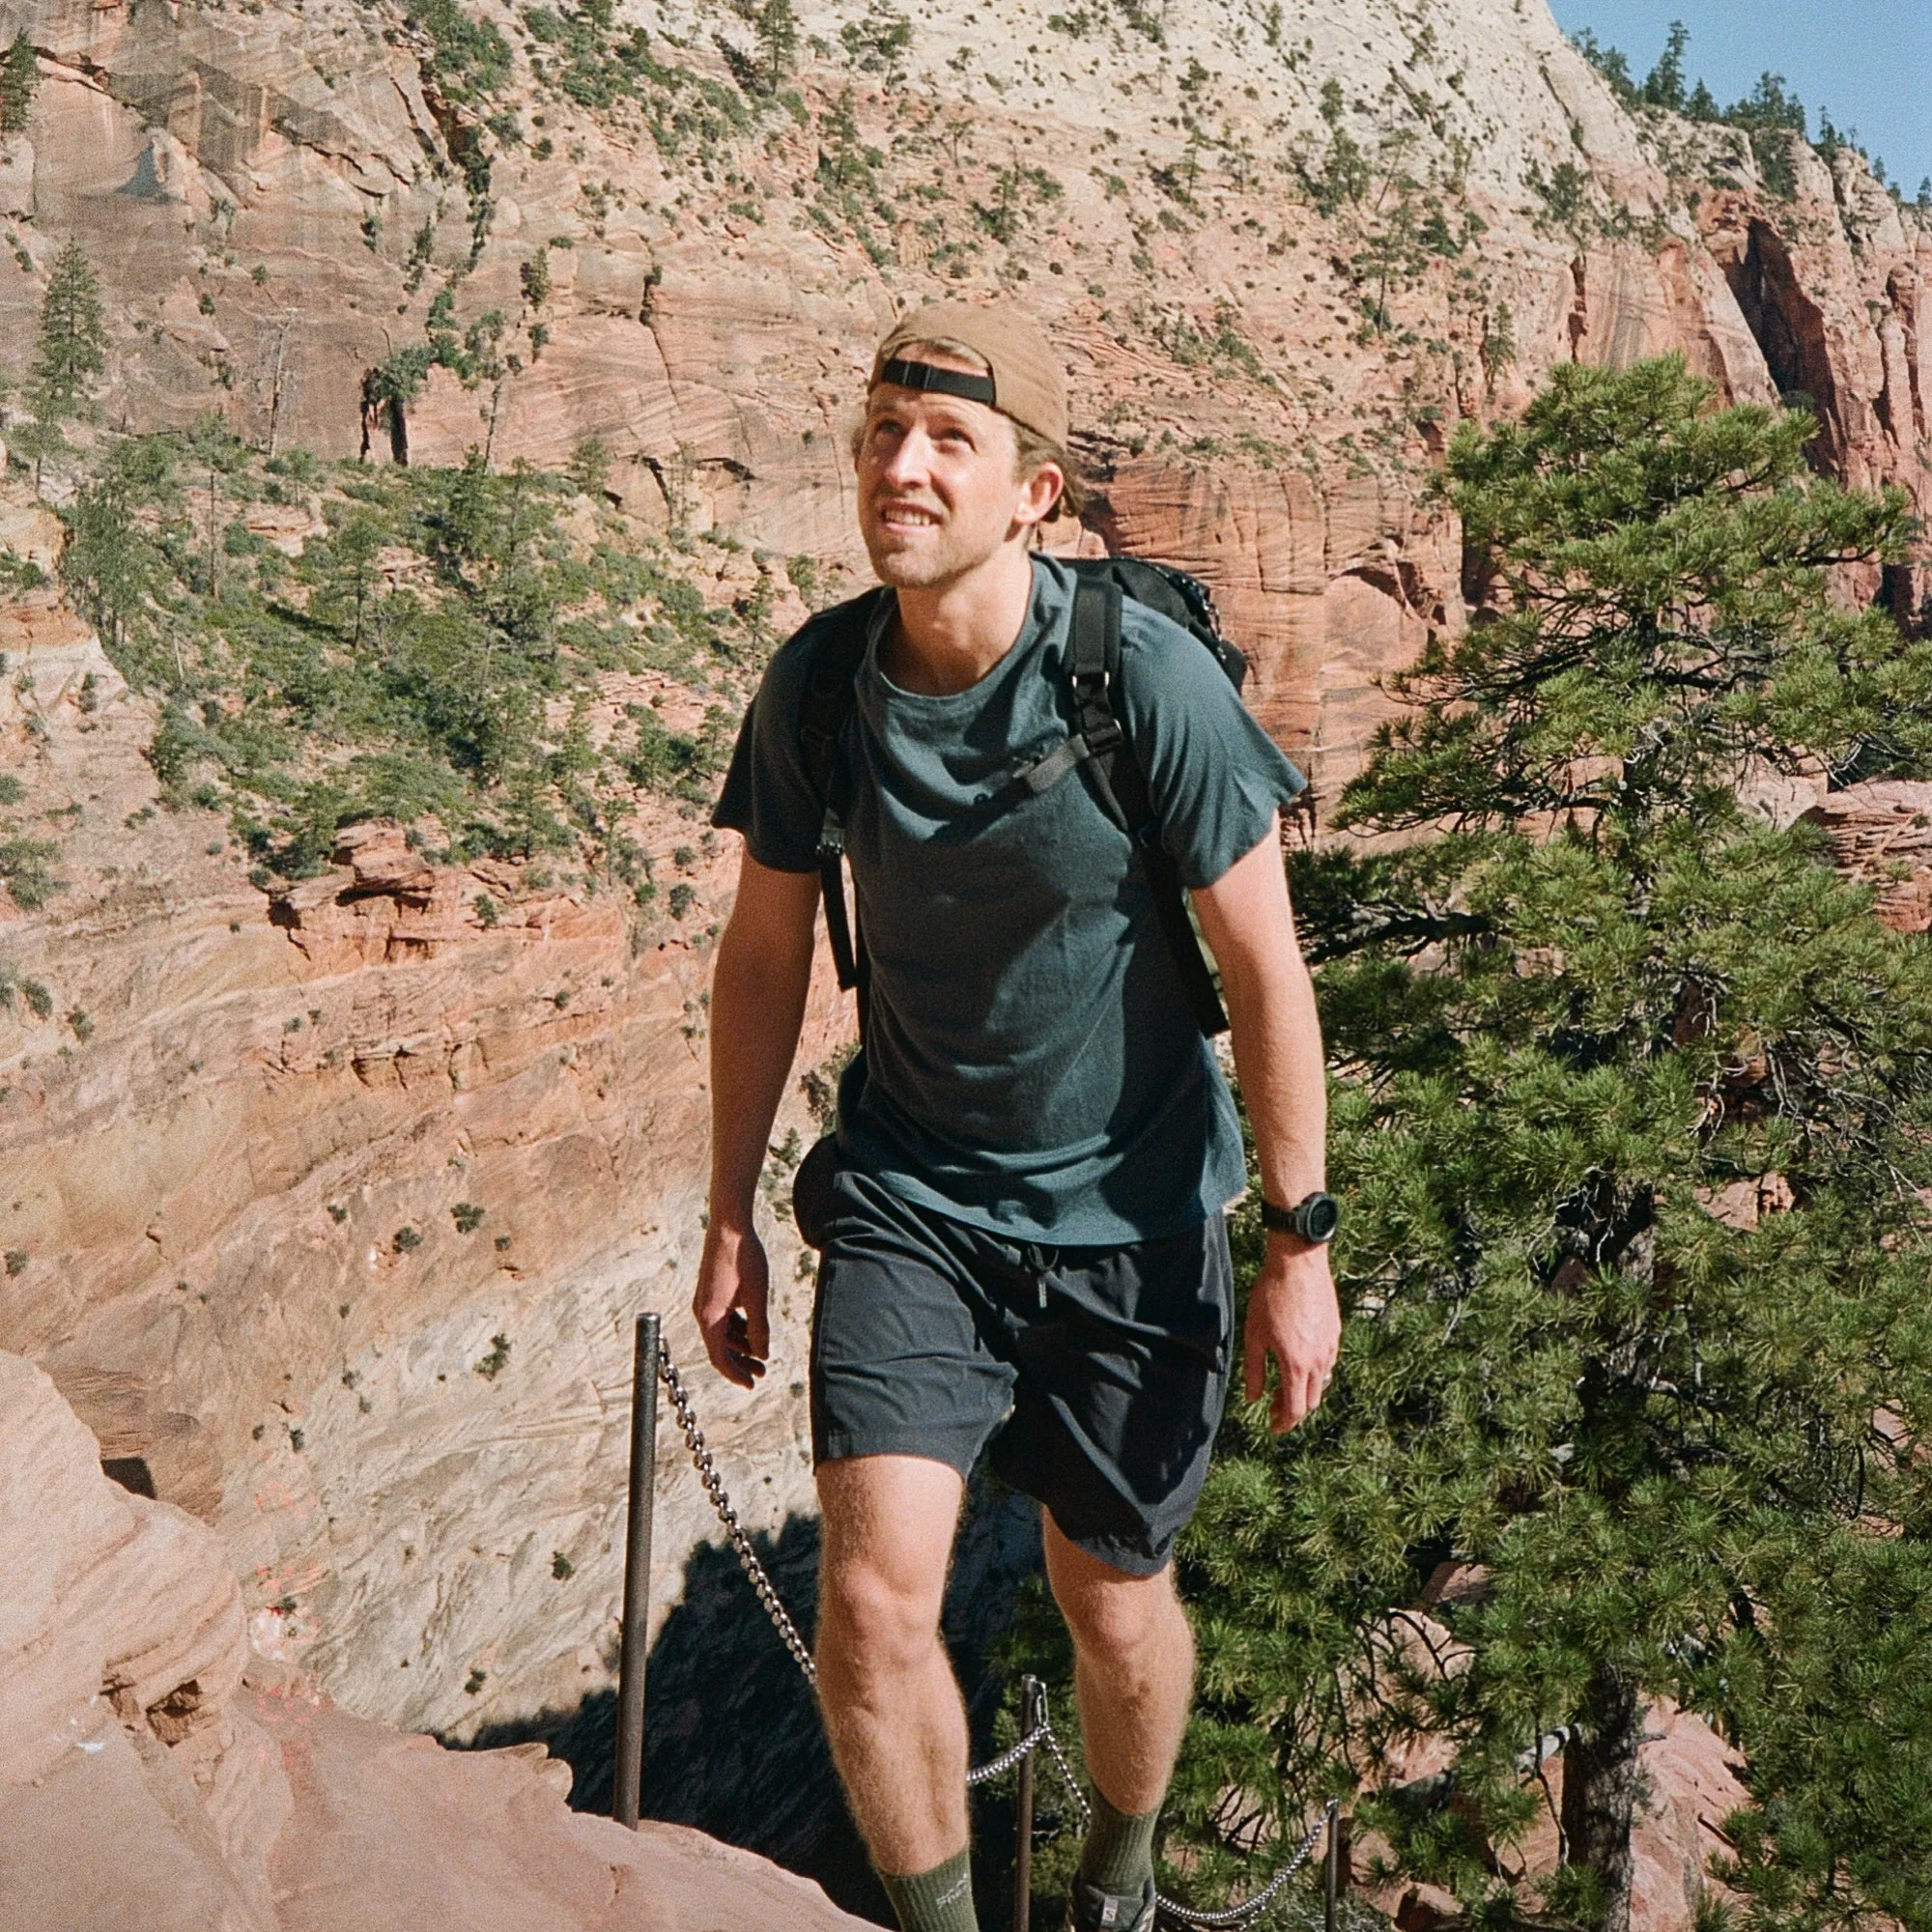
{"x":1039,"y":495}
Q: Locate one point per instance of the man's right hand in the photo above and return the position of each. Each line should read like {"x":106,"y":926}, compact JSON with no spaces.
{"x":733,"y":1287}
{"x":758,"y":1006}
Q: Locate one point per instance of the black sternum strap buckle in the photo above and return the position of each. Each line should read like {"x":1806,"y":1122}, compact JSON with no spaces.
{"x":1099,"y":730}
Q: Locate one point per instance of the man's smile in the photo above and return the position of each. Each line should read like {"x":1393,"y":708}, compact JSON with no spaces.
{"x":908,"y":517}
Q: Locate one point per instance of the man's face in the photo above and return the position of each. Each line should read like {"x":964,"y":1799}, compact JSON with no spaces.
{"x":937,"y":489}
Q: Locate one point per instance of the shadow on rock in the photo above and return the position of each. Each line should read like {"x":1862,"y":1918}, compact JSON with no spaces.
{"x":732,"y":1739}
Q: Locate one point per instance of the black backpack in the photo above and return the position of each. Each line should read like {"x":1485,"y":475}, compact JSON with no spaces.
{"x":1099,"y":743}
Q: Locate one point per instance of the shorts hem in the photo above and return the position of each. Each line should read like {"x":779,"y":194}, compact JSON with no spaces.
{"x":1113,"y":1551}
{"x":845,"y":1445}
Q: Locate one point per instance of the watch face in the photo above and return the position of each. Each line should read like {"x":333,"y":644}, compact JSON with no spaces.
{"x":1320,"y":1216}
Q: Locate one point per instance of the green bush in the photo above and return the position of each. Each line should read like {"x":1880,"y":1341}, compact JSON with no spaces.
{"x":425,"y":657}
{"x":26,"y":865}
{"x":472,"y":57}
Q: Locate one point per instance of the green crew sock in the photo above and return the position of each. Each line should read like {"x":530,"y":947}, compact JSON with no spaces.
{"x":1118,"y":1854}
{"x":939,"y":1901}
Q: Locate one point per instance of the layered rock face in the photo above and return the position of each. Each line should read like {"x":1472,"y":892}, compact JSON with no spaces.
{"x":149,"y":1781}
{"x":1285,"y":250}
{"x":232,"y":1202}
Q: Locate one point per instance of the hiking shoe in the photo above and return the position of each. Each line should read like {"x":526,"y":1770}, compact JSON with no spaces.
{"x":1097,"y":1911}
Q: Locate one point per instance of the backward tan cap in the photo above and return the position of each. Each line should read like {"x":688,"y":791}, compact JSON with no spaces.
{"x":1027,"y":381}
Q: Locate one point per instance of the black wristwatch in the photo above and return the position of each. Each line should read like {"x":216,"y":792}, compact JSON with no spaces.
{"x":1315,"y":1217}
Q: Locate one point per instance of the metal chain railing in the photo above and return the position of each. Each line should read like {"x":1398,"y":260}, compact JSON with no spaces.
{"x":1229,"y":1919}
{"x":1014,"y":1754}
{"x":1252,"y":1908}
{"x":706,"y":1465}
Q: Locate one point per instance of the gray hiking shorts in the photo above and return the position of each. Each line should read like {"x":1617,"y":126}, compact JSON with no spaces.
{"x":1097,"y":1377}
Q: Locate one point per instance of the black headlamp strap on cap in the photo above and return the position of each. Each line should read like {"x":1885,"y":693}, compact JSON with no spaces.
{"x":928,"y":376}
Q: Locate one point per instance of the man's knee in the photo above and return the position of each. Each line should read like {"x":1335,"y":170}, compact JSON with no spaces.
{"x":872,"y":1619}
{"x":1113,"y":1617}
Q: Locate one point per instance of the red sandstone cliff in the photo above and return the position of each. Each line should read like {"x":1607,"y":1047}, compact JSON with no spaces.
{"x":1275,"y":303}
{"x":1275,"y":308}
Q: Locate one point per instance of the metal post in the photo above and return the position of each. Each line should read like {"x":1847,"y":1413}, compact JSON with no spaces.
{"x":628,"y":1775}
{"x":1029,"y":1709}
{"x":1335,"y":1862}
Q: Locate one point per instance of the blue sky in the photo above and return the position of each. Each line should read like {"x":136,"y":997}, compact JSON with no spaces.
{"x":1868,"y":61}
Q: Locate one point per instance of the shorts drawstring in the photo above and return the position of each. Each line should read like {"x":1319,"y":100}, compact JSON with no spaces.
{"x":1039,"y":1263}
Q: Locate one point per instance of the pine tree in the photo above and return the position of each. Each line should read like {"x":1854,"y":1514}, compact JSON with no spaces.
{"x":1632,"y":1128}
{"x":347,"y":574}
{"x":73,"y":336}
{"x":37,"y":436}
{"x":216,"y":453}
{"x":879,"y":43}
{"x":1664,"y":86}
{"x":534,"y":275}
{"x":19,"y":76}
{"x":116,"y":560}
{"x":107,"y":562}
{"x":777,"y":27}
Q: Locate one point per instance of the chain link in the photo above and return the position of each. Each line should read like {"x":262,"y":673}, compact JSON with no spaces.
{"x":1012,"y":1755}
{"x":1248,"y":1908}
{"x":1228,"y":1919}
{"x":707,"y":1471}
{"x":1066,"y":1770}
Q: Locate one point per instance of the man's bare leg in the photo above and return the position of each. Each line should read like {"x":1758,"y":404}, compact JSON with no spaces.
{"x":1133,"y":1675}
{"x":892,"y":1703}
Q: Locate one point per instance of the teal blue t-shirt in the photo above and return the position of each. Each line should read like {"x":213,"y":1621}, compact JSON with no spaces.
{"x":1030,"y":1064}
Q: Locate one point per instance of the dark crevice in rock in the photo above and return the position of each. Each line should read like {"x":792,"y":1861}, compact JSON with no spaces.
{"x":1790,"y":332}
{"x":131,"y":1472}
{"x":384,"y":414}
{"x":150,"y":1451}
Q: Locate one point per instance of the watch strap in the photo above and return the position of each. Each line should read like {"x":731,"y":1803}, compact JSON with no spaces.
{"x":1297,"y":1220}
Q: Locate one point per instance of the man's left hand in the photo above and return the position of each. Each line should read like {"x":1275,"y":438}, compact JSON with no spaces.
{"x":1294,"y":1316}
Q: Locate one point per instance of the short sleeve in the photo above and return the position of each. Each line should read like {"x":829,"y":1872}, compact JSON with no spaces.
{"x":1214,"y":777}
{"x":767,"y":795}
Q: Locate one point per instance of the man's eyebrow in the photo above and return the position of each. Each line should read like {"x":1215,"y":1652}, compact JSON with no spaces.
{"x":938,"y":417}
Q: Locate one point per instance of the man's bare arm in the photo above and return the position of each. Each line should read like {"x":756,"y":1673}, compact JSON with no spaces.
{"x":757,"y":1006}
{"x":1293,"y":1313}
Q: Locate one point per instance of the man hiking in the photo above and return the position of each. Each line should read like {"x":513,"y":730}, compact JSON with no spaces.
{"x":1023,"y":1248}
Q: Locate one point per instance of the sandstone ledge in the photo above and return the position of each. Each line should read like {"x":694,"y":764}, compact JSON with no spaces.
{"x":142,"y":1785}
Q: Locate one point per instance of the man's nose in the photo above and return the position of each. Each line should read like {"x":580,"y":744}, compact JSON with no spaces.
{"x":910,"y":459}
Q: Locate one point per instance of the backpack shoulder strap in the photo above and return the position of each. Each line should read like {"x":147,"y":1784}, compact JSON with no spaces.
{"x":836,"y":653}
{"x":1121,"y":784}
{"x":824,"y":712}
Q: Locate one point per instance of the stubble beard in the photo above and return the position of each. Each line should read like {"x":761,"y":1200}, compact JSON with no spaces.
{"x":926,"y":566}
